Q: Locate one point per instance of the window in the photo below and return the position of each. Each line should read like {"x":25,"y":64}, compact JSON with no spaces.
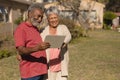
{"x":3,"y":10}
{"x":49,"y":0}
{"x":45,"y":0}
{"x":3,"y":14}
{"x":89,"y":15}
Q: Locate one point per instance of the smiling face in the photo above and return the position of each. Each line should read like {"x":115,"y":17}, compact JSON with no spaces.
{"x":36,"y":17}
{"x":53,"y":20}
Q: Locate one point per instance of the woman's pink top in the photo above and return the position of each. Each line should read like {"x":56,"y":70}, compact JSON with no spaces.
{"x":55,"y":60}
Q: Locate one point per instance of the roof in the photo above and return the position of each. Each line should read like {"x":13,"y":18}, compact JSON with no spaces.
{"x":23,"y":1}
{"x":56,"y":4}
{"x":87,"y":4}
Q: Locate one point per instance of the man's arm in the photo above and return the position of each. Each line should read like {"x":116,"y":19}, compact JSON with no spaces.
{"x":29,"y":50}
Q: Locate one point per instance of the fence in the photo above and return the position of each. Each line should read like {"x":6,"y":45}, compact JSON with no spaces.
{"x":6,"y":30}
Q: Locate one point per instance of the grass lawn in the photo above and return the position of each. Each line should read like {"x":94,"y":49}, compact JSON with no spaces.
{"x":96,"y":57}
{"x":92,"y":58}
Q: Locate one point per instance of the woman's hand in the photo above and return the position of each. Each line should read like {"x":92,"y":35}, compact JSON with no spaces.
{"x":19,"y":58}
{"x":64,"y":45}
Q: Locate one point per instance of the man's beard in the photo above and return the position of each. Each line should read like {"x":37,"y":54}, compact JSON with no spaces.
{"x":34,"y":23}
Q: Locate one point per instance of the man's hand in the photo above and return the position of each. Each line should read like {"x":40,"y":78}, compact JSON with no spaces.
{"x":29,"y":50}
{"x":43,"y":46}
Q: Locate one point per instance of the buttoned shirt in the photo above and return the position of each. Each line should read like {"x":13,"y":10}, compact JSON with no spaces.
{"x":33,"y":64}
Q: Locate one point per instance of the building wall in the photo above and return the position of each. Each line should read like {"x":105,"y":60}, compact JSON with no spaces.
{"x":89,"y":5}
{"x":40,"y":1}
{"x":98,"y":7}
{"x":15,"y":10}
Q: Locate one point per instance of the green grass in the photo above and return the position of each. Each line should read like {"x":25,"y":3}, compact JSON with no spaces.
{"x":92,"y":58}
{"x":9,"y":69}
{"x":96,"y":57}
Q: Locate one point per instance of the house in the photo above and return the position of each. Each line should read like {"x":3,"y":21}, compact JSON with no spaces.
{"x":93,"y":12}
{"x":118,"y":15}
{"x":10,"y":10}
{"x":90,"y":10}
{"x":63,"y":11}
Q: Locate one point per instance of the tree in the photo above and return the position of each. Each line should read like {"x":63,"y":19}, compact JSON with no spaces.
{"x":74,"y":5}
{"x":103,"y":1}
{"x":113,"y":5}
{"x":71,"y":4}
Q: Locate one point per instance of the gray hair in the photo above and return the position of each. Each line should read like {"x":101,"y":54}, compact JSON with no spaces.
{"x":36,"y":6}
{"x":52,"y":9}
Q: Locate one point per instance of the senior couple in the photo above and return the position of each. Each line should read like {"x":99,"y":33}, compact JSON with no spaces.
{"x":37,"y":60}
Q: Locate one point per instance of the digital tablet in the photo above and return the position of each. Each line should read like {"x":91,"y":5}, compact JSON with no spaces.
{"x":55,"y":41}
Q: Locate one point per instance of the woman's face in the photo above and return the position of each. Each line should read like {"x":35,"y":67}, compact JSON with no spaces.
{"x":53,"y":20}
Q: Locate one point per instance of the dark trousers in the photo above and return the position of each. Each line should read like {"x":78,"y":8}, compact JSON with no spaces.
{"x":40,"y":77}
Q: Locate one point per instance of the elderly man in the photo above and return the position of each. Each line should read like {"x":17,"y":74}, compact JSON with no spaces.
{"x":30,"y":45}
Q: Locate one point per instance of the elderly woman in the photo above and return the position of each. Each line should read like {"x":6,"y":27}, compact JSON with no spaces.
{"x":57,"y":58}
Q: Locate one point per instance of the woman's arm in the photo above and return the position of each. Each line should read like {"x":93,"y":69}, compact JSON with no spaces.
{"x":67,"y":34}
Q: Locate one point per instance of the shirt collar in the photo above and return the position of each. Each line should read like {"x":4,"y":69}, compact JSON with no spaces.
{"x":28,"y":24}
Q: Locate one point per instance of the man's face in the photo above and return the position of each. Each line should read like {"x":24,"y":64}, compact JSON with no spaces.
{"x":53,"y":20}
{"x":36,"y":17}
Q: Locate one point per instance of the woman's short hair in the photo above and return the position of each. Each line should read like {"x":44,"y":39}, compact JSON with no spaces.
{"x":52,"y":9}
{"x":36,"y":6}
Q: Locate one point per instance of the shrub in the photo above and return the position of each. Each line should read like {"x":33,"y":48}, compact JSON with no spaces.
{"x":106,"y":27}
{"x":108,"y":17}
{"x":76,"y":31}
{"x":18,"y":20}
{"x":4,"y":53}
